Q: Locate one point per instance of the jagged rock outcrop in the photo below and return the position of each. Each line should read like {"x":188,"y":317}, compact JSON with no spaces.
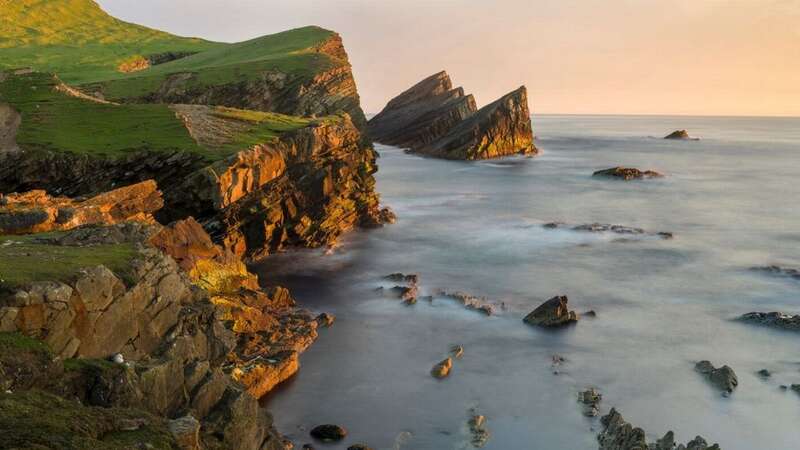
{"x":627,"y":173}
{"x":36,"y":212}
{"x":434,"y":119}
{"x":498,"y":129}
{"x":723,"y":378}
{"x":773,"y":319}
{"x":617,"y":434}
{"x":422,"y":114}
{"x":552,"y":313}
{"x":328,"y":187}
{"x":9,"y":124}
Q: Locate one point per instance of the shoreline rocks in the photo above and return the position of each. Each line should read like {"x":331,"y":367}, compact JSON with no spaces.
{"x":723,"y":378}
{"x":434,"y":119}
{"x":627,"y":173}
{"x":617,"y":434}
{"x":552,"y":314}
{"x":773,"y":319}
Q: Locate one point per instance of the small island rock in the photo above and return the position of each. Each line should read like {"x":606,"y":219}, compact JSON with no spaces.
{"x":724,"y":378}
{"x":328,"y":432}
{"x":442,"y":369}
{"x":552,"y":313}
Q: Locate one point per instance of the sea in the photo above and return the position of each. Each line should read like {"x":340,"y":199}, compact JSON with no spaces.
{"x":732,"y":202}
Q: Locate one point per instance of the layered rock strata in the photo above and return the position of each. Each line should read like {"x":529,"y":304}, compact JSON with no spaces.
{"x":434,"y":119}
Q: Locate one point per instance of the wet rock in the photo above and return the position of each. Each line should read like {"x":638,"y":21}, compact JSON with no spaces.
{"x":325,"y":320}
{"x":359,"y":447}
{"x":480,"y":304}
{"x":627,"y":173}
{"x":608,"y":228}
{"x":590,"y":399}
{"x":405,"y":293}
{"x":552,"y":313}
{"x":617,"y":434}
{"x":479,"y":434}
{"x":556,"y":361}
{"x":723,"y":378}
{"x":764,"y":373}
{"x":442,"y":369}
{"x":778,"y":271}
{"x":403,"y":278}
{"x":328,"y":433}
{"x":773,"y":319}
{"x":679,"y":135}
{"x":308,"y":447}
{"x":457,"y":351}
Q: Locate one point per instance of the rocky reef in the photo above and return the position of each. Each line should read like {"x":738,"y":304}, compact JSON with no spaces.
{"x":434,"y":119}
{"x":773,"y":319}
{"x":617,"y":434}
{"x":627,"y":173}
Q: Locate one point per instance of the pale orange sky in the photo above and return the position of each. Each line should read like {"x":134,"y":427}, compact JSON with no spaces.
{"x":704,"y":57}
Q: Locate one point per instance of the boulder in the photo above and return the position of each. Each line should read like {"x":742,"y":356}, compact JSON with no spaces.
{"x":627,"y":173}
{"x":552,"y":313}
{"x":723,"y":378}
{"x":442,"y":369}
{"x":186,"y":431}
{"x":328,"y":433}
{"x":479,"y":434}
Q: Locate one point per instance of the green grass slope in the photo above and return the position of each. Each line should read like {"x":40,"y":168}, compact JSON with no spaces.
{"x":78,"y":40}
{"x":54,"y":120}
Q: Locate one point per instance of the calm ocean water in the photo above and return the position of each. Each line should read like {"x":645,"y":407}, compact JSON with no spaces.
{"x":732,"y":201}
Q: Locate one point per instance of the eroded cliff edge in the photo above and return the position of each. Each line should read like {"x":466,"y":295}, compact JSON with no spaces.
{"x":435,"y":119}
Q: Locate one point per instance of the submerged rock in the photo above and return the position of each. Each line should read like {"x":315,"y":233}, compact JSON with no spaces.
{"x":479,"y":434}
{"x":434,"y":119}
{"x":590,"y":399}
{"x":778,"y":271}
{"x":680,"y":135}
{"x":457,"y":351}
{"x":773,"y":319}
{"x":480,"y":304}
{"x":627,"y":173}
{"x":723,"y":378}
{"x":552,"y":313}
{"x":617,"y":434}
{"x":442,"y":369}
{"x":609,"y":228}
{"x":359,"y":447}
{"x":328,"y":432}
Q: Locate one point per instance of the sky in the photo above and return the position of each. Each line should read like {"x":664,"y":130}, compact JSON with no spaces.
{"x":690,"y":57}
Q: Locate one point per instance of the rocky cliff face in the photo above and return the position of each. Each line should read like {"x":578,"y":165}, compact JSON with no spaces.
{"x":499,"y":129}
{"x":201,"y":339}
{"x":328,"y":92}
{"x":434,"y":119}
{"x":422,"y":114}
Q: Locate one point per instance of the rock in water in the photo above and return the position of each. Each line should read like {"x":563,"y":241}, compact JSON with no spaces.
{"x":328,"y":432}
{"x":423,"y":113}
{"x":773,"y":319}
{"x":627,"y":173}
{"x":477,"y":428}
{"x":723,"y":378}
{"x":679,"y":135}
{"x":498,"y":129}
{"x":618,"y":434}
{"x":552,"y":313}
{"x":434,"y":119}
{"x":359,"y":447}
{"x":590,"y":399}
{"x":442,"y":369}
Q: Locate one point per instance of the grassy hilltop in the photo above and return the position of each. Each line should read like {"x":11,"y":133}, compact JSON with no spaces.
{"x":75,"y":44}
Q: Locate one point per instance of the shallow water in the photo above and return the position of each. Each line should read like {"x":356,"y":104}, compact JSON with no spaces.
{"x":730,"y":199}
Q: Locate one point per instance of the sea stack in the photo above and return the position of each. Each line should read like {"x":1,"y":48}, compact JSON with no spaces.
{"x":434,"y":119}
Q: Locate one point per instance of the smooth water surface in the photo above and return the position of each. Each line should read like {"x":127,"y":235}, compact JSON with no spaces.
{"x":731,"y":199}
